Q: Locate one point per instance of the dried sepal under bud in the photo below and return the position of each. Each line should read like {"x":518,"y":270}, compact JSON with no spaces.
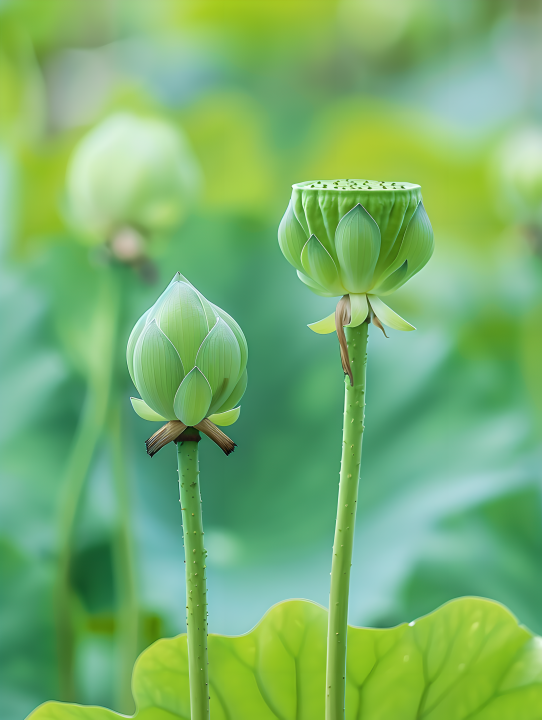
{"x":215,"y":434}
{"x":176,"y":431}
{"x":167,"y":433}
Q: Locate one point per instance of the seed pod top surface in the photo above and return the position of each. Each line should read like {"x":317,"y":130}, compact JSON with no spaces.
{"x":187,"y":358}
{"x":362,"y":238}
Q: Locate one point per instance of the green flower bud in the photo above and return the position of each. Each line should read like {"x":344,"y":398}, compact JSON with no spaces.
{"x":187,"y":358}
{"x":359,"y":238}
{"x":130,"y":171}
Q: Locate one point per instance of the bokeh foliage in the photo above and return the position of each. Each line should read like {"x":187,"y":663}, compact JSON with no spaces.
{"x":268,"y":94}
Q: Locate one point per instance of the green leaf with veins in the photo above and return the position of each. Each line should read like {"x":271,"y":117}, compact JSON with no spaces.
{"x":468,"y":660}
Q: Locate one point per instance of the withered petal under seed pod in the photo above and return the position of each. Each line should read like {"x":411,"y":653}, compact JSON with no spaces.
{"x":376,"y":322}
{"x":342,"y":317}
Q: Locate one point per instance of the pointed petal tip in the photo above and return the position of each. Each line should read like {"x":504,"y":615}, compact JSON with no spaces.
{"x":376,"y":322}
{"x":320,"y":266}
{"x":145,"y":412}
{"x":386,"y":315}
{"x":193,"y":398}
{"x":325,"y":326}
{"x":227,"y":418}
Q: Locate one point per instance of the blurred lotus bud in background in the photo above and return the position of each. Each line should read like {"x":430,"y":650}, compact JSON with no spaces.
{"x":519,"y":171}
{"x":128,"y":178}
{"x":375,"y":26}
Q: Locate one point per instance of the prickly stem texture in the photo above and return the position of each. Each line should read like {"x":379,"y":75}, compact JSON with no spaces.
{"x":354,"y":411}
{"x":196,"y":589}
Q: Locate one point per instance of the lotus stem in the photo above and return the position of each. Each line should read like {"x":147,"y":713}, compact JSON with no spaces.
{"x":87,"y":436}
{"x":127,"y":611}
{"x":196,"y":590}
{"x":354,"y":411}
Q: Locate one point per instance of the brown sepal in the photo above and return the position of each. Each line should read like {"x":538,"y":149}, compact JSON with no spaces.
{"x":216,"y":435}
{"x":343,"y":316}
{"x":378,"y":324}
{"x":167,"y":433}
{"x":176,"y":431}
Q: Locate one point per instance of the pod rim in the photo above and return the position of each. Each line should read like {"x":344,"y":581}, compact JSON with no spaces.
{"x":347,"y":185}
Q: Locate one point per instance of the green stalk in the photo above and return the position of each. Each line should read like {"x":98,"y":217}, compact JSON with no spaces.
{"x":196,"y":590}
{"x":87,"y":435}
{"x":354,"y":411}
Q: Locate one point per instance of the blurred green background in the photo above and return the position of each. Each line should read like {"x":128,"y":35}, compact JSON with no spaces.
{"x":267,"y":93}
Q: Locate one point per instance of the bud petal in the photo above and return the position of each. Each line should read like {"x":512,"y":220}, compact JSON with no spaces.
{"x":219,"y":358}
{"x":180,"y":314}
{"x":210,"y":310}
{"x":418,"y":244}
{"x":207,"y":306}
{"x":132,"y":340}
{"x":237,"y":393}
{"x":292,"y":238}
{"x":314,"y":213}
{"x":357,"y":241}
{"x":144,"y":411}
{"x":158,"y":370}
{"x":393,"y":281}
{"x":310,"y":283}
{"x":320,"y":266}
{"x":388,"y":316}
{"x":193,"y":398}
{"x":359,"y":309}
{"x":226,"y":418}
{"x":234,"y":327}
{"x":325,"y":326}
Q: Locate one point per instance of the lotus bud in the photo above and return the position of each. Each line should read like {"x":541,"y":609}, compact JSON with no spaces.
{"x":187,"y":358}
{"x":130,"y":171}
{"x":359,"y":239}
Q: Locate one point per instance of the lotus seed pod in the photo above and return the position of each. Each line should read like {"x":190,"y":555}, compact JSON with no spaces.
{"x":357,"y":238}
{"x":187,"y":359}
{"x":130,"y":171}
{"x":519,"y":167}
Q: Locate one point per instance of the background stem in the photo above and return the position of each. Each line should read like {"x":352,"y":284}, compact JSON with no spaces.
{"x":196,"y":590}
{"x":354,"y":411}
{"x":87,"y":435}
{"x":127,"y":611}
